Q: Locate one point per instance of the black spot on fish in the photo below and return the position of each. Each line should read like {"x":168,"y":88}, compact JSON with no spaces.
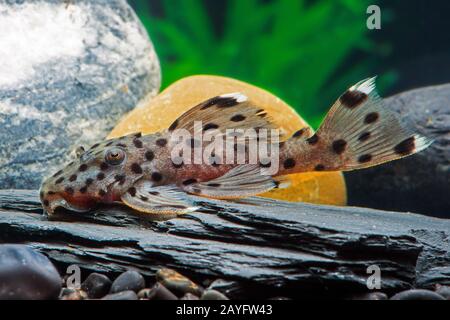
{"x":101,"y":193}
{"x":339,"y":146}
{"x":104,"y":166}
{"x":136,"y":168}
{"x":364,"y":158}
{"x":237,"y":118}
{"x":73,"y":178}
{"x":225,"y":102}
{"x":95,"y":145}
{"x":266,"y":163}
{"x":174,"y":125}
{"x":132,"y":191}
{"x":120,"y":178}
{"x":50,"y":193}
{"x":69,"y":190}
{"x":46,"y":203}
{"x":57,"y":173}
{"x":161,"y":142}
{"x":143,"y":198}
{"x":100,"y":176}
{"x":299,"y":133}
{"x":89,"y":181}
{"x":109,"y":143}
{"x":405,"y":147}
{"x":371,"y":117}
{"x":313,"y":140}
{"x":121,"y":145}
{"x":83,"y":167}
{"x":189,"y":181}
{"x":137,"y":143}
{"x":209,"y":103}
{"x":149,"y":155}
{"x":156,"y":176}
{"x":177,"y":166}
{"x":210,"y":126}
{"x":138,"y":135}
{"x":83,"y":189}
{"x":61,"y":179}
{"x":214,"y":185}
{"x":319,"y":167}
{"x":353,"y":98}
{"x":364,"y":136}
{"x":289,"y":163}
{"x":154,"y":193}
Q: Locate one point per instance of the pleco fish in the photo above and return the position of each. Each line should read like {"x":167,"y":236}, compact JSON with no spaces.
{"x":142,"y":172}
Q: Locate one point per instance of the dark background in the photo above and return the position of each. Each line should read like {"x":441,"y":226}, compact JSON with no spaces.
{"x":306,"y":52}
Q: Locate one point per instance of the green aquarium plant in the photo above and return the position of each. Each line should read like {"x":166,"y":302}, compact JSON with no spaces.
{"x":305,"y":52}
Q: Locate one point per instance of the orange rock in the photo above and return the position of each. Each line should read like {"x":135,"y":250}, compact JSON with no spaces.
{"x":161,"y":111}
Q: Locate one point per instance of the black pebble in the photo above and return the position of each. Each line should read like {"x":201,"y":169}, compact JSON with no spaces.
{"x":96,"y":285}
{"x":159,"y":292}
{"x":417,"y":294}
{"x":27,"y":274}
{"x":129,"y":280}
{"x":124,"y":295}
{"x":212,"y":294}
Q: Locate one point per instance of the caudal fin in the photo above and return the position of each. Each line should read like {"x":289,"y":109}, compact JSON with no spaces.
{"x":358,"y":132}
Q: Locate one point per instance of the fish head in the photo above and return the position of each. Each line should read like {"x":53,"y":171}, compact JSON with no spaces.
{"x":100,"y":174}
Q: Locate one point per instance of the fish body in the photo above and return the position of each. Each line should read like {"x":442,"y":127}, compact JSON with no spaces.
{"x":224,"y":148}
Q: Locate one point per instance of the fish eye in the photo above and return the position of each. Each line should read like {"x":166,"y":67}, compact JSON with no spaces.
{"x":114,"y":156}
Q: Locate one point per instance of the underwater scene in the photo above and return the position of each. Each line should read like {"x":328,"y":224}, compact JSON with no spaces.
{"x":256,"y":152}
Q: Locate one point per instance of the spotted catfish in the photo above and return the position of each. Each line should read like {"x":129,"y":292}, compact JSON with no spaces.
{"x":142,"y":173}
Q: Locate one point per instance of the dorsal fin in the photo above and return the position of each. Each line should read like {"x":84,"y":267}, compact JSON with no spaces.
{"x":227,"y":111}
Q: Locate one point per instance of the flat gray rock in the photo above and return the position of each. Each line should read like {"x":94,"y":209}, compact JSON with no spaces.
{"x":420,"y":183}
{"x":260,"y":251}
{"x":68,"y":71}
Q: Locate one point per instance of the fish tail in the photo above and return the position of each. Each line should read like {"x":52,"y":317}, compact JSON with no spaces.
{"x":358,"y":132}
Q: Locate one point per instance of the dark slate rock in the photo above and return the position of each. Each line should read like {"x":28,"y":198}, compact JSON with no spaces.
{"x":124,"y":295}
{"x":69,"y":70}
{"x":417,"y":294}
{"x":293,"y":250}
{"x":96,"y":285}
{"x":420,"y":183}
{"x":27,"y":274}
{"x":443,"y":291}
{"x":129,"y":280}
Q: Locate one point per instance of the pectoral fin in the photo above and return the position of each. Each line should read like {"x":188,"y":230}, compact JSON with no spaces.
{"x":146,"y":198}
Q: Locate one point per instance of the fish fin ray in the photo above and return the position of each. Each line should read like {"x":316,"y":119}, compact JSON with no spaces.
{"x":226,"y":111}
{"x":241,"y":181}
{"x":360,"y":131}
{"x":146,"y":198}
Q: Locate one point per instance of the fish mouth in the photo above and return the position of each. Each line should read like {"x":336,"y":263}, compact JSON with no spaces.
{"x":63,"y":203}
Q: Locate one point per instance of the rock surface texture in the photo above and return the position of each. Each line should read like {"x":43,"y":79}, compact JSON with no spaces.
{"x":68,"y":71}
{"x":278,"y":249}
{"x":420,"y":183}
